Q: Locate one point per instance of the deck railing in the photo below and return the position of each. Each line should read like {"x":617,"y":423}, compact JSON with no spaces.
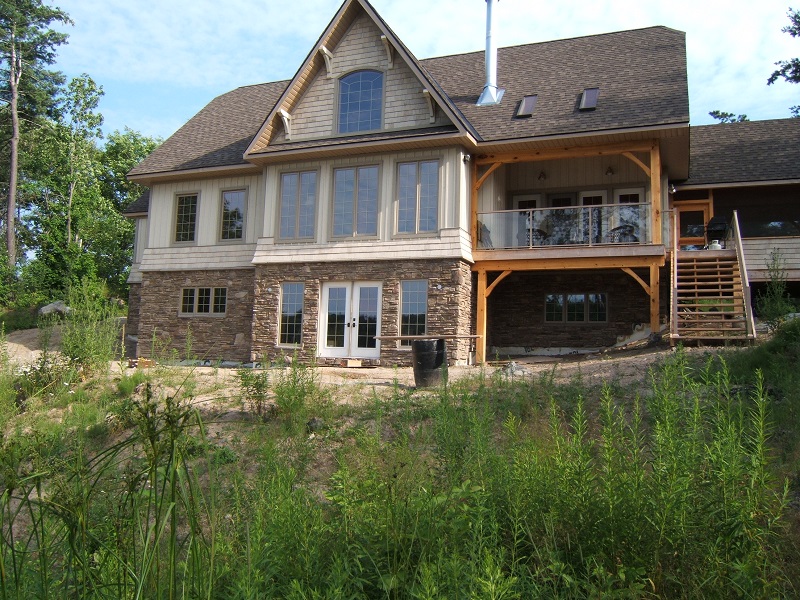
{"x":569,"y":226}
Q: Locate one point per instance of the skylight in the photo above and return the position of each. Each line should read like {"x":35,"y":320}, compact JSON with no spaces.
{"x":526,"y":106}
{"x":589,"y":99}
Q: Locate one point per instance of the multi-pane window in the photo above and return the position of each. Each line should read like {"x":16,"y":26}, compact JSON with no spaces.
{"x":186,"y":218}
{"x":360,"y":101}
{"x":291,"y":325}
{"x":298,"y":205}
{"x":233,"y":203}
{"x":355,"y":201}
{"x":418,"y":197}
{"x":414,"y":308}
{"x":204,"y":301}
{"x":575,"y":308}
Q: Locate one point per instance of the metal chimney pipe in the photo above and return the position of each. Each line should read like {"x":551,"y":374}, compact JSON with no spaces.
{"x":491,"y":94}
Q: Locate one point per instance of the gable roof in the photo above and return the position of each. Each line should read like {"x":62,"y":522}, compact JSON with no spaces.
{"x":747,"y":152}
{"x":138,"y":207}
{"x":313,"y":63}
{"x":641,"y":75}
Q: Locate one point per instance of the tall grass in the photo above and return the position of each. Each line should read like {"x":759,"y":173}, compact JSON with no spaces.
{"x":488,"y":488}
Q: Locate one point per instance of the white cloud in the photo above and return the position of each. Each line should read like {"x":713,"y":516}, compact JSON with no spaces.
{"x":206,"y":47}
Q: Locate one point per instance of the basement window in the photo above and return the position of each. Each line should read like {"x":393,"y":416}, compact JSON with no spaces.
{"x":526,"y":106}
{"x":589,"y":99}
{"x":576,"y":308}
{"x":204,"y":301}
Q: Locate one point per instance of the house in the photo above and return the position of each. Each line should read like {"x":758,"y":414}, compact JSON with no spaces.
{"x":509,"y":199}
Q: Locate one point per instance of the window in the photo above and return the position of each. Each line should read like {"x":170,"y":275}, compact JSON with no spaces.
{"x":589,"y":98}
{"x":418,"y":197}
{"x":204,"y":301}
{"x":186,"y":218}
{"x":592,"y":218}
{"x":291,"y":325}
{"x":360,"y":101}
{"x":526,"y":106}
{"x":630,"y":223}
{"x":233,"y":203}
{"x":298,"y":205}
{"x":355,"y":201}
{"x":414,"y":308}
{"x":575,"y":308}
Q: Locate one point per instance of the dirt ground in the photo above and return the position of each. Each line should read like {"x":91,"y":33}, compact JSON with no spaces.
{"x":626,"y":365}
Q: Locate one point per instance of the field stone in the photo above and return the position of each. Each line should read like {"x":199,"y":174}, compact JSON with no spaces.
{"x":58,"y":307}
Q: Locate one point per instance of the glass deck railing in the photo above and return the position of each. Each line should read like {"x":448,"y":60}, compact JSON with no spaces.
{"x":571,"y":226}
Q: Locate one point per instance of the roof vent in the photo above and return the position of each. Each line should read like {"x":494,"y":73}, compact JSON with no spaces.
{"x":491,"y":95}
{"x":589,"y":99}
{"x":526,"y":106}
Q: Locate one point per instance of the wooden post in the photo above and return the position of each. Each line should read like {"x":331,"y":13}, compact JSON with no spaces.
{"x":655,"y":300}
{"x":473,"y":227}
{"x":655,"y":192}
{"x":480,"y":320}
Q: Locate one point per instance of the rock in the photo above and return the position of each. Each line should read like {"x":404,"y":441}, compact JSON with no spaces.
{"x":315,"y":424}
{"x":57,"y":307}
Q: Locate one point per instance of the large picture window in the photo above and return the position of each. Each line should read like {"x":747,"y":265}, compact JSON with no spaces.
{"x":233,"y":204}
{"x":360,"y":101}
{"x":291,"y":324}
{"x":414,"y":308}
{"x":355,"y":201}
{"x":185,"y":218}
{"x":418,"y":197}
{"x":298,"y":205}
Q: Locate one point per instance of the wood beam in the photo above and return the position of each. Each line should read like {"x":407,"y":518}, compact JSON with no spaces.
{"x":655,"y":192}
{"x":630,"y":156}
{"x":638,"y":279}
{"x":568,"y":152}
{"x":500,"y":278}
{"x":655,"y":300}
{"x":480,"y":320}
{"x":597,"y":262}
{"x":489,"y":171}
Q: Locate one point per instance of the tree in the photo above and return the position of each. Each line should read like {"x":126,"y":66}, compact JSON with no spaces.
{"x":27,"y":45}
{"x":726,"y":117}
{"x":789,"y":70}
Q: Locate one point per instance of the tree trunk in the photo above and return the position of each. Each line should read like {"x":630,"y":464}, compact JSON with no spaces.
{"x":15,"y":70}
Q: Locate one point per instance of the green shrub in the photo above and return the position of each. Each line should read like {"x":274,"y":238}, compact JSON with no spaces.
{"x":774,"y":303}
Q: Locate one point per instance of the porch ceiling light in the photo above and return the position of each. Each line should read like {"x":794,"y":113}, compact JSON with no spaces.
{"x":609,"y":171}
{"x":542,"y":176}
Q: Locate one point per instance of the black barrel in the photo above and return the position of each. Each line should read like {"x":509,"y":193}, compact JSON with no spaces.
{"x":428,"y":357}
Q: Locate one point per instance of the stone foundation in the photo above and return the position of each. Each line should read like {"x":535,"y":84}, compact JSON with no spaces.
{"x":132,"y":324}
{"x":449,"y":307}
{"x":164,"y":333}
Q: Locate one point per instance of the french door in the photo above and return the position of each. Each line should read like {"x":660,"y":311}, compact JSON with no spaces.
{"x":350,"y":319}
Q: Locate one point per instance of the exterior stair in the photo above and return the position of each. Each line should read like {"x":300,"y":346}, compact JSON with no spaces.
{"x":709,"y":300}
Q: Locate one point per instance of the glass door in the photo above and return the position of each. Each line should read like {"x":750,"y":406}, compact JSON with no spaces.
{"x":350,"y":320}
{"x":692,"y":219}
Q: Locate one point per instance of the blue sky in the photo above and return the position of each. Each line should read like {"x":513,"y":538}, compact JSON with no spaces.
{"x":161,"y":61}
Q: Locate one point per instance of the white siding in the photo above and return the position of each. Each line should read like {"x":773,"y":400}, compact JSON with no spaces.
{"x":361,"y":48}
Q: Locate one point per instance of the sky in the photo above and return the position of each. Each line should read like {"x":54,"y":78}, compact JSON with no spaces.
{"x":160,"y":61}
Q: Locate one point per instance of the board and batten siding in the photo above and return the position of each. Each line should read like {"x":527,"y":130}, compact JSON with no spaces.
{"x":361,"y":48}
{"x":758,"y":254}
{"x":453,"y":217}
{"x":207,"y":251}
{"x":141,"y":228}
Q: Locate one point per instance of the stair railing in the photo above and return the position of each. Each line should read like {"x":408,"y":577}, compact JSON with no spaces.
{"x":748,"y":305}
{"x":673,"y":297}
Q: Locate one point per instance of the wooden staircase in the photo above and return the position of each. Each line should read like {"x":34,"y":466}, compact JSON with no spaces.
{"x":711,"y":295}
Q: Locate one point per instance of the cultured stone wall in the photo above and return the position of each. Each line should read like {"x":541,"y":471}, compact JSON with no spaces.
{"x":132,"y":323}
{"x":449,"y":309}
{"x":164,"y":332}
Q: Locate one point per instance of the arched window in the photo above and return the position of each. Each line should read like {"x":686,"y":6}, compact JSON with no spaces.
{"x":360,"y":101}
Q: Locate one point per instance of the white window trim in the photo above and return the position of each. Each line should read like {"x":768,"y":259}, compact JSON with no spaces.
{"x":174,"y":232}
{"x":279,"y":205}
{"x":278,"y":342}
{"x":355,"y":235}
{"x":439,"y":192}
{"x":211,"y":313}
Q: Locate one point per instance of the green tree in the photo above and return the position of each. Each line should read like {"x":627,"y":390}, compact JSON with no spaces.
{"x":789,"y":70}
{"x":727,"y":117}
{"x":27,"y":47}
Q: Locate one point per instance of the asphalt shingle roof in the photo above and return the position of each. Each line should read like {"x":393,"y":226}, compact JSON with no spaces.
{"x":749,"y":151}
{"x":140,"y":205}
{"x":641,"y":75}
{"x":218,"y":135}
